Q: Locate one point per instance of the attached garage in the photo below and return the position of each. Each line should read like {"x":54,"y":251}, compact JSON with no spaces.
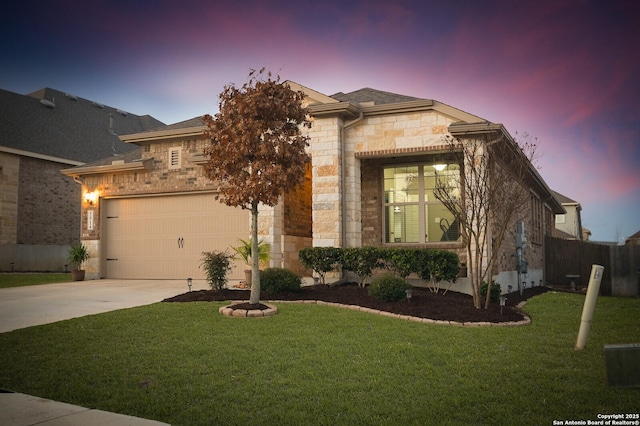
{"x":163,"y":237}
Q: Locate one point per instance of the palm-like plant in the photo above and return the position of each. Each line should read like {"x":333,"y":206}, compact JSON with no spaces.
{"x":244,"y":251}
{"x":78,"y":254}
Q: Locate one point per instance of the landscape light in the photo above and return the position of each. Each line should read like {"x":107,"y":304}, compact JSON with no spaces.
{"x":409,"y":293}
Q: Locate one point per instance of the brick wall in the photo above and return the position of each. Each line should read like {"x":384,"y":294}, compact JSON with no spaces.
{"x":297,"y":209}
{"x":9,"y":172}
{"x":48,"y":204}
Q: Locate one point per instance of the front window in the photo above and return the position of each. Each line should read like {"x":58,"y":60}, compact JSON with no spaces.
{"x":412,"y":214}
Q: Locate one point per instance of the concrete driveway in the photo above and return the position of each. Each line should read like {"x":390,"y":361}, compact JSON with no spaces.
{"x":22,"y":307}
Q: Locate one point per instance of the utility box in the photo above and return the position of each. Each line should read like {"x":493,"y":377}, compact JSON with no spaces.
{"x":623,"y":364}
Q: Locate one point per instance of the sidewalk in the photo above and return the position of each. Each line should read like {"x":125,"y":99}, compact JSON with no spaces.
{"x":22,"y":307}
{"x":17,"y":409}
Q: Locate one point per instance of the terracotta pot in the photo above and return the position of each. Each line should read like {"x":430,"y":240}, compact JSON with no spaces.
{"x":77,"y":275}
{"x":247,"y":277}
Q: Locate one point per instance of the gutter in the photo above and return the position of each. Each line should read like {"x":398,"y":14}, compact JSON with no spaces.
{"x":343,"y":185}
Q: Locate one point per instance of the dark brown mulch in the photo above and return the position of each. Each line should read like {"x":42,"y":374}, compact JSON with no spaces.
{"x":451,"y":306}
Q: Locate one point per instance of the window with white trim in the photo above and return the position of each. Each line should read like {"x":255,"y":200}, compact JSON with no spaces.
{"x":175,"y":158}
{"x":412,"y":214}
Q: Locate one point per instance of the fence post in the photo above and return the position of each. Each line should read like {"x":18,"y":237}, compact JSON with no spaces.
{"x":589,"y":305}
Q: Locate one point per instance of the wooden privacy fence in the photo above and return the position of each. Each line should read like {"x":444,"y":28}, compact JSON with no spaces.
{"x":564,"y":258}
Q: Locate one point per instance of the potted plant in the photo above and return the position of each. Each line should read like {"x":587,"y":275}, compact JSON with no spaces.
{"x":244,"y":251}
{"x":78,"y":254}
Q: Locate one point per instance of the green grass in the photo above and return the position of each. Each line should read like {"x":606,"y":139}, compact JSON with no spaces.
{"x":23,"y":279}
{"x":185,"y":364}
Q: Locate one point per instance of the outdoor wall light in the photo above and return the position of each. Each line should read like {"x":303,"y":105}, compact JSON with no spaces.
{"x":189,"y":283}
{"x":91,"y":197}
{"x":510,"y":287}
{"x":409,"y":293}
{"x":503,"y":301}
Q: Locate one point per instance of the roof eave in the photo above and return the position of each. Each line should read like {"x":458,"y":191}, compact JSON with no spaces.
{"x":30,"y":154}
{"x":337,"y":108}
{"x":141,"y":165}
{"x":156,"y":135}
{"x":470,"y":129}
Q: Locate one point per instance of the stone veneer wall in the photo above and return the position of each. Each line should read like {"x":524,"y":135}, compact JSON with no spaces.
{"x":326,"y":182}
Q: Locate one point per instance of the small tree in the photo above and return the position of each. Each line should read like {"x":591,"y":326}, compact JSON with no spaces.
{"x":488,"y":197}
{"x":257,"y":151}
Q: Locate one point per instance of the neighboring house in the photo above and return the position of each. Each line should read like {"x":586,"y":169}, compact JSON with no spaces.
{"x":633,"y":240}
{"x":569,"y":224}
{"x":42,"y":133}
{"x":155,"y":212}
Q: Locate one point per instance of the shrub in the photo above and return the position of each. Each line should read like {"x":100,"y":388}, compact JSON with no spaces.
{"x":438,"y":265}
{"x":216,"y":265}
{"x":279,"y":280}
{"x":361,"y":261}
{"x":400,"y":261}
{"x":496,"y":291}
{"x":388,"y":288}
{"x":320,"y":259}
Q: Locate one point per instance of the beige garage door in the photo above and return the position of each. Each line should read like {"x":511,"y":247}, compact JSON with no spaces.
{"x":164,"y":237}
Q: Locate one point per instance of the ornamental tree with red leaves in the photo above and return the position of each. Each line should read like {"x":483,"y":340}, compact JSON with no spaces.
{"x":257,"y":151}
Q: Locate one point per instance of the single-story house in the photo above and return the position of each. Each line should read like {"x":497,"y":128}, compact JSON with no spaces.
{"x":40,"y":134}
{"x":151,"y":213}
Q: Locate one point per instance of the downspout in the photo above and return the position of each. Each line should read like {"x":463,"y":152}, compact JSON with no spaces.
{"x":343,"y":185}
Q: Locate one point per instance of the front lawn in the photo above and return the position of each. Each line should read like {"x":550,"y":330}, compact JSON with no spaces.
{"x":185,"y":364}
{"x":24,"y":279}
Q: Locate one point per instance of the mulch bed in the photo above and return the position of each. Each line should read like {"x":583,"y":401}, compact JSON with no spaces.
{"x":451,"y":306}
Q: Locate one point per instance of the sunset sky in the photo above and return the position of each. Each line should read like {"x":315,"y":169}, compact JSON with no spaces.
{"x":565,"y":72}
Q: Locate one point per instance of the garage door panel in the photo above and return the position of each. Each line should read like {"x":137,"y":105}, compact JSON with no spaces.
{"x":164,"y":237}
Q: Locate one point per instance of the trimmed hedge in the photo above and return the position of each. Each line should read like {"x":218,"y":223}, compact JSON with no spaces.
{"x":431,"y":265}
{"x":320,"y":259}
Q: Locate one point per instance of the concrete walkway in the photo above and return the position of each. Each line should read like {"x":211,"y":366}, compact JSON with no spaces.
{"x":22,"y":307}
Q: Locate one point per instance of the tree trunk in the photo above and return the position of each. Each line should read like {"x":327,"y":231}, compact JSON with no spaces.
{"x":255,"y":258}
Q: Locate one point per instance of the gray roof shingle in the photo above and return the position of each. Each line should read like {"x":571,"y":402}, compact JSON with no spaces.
{"x":367,"y":94}
{"x":75,"y":129}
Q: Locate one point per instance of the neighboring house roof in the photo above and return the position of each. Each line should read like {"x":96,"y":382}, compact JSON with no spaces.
{"x":558,"y":233}
{"x":635,"y":239}
{"x":63,"y":127}
{"x":564,"y":199}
